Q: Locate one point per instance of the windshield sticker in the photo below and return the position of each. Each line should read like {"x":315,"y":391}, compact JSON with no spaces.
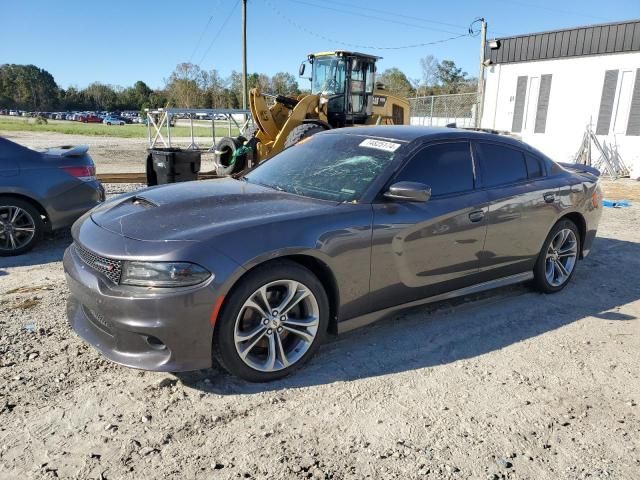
{"x":380,"y":145}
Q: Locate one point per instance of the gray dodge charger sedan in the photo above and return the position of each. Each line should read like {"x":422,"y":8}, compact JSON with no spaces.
{"x":331,"y":234}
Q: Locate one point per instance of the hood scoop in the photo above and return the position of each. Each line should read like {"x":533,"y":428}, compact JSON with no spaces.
{"x":142,"y":202}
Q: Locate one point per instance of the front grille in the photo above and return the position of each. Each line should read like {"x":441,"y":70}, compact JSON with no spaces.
{"x":99,"y":321}
{"x":112,"y":269}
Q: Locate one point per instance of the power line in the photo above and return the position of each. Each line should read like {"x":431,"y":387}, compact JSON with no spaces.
{"x":382,"y":19}
{"x":200,"y":39}
{"x":552,"y":9}
{"x":215,"y":37}
{"x":418,"y":19}
{"x":411,"y":17}
{"x":356,"y":45}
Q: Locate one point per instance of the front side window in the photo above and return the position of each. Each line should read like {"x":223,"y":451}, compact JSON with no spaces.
{"x":328,"y":76}
{"x":500,"y":165}
{"x":447,"y":168}
{"x":335,"y":167}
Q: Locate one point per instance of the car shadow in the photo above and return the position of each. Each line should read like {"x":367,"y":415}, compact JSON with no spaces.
{"x":445,"y":332}
{"x":50,"y":249}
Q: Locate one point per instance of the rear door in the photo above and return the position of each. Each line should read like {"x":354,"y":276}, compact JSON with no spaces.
{"x":522,"y":203}
{"x":422,"y":249}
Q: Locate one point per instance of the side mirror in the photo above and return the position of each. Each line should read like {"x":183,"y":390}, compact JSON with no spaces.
{"x":303,"y":66}
{"x":409,"y":191}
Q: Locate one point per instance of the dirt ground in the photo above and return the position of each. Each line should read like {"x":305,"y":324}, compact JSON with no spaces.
{"x":510,"y":384}
{"x":110,"y":154}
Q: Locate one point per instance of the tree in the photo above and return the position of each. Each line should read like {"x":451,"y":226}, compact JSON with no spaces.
{"x":27,"y":87}
{"x":100,"y":96}
{"x":185,"y":85}
{"x":396,"y":82}
{"x":283,"y":83}
{"x":429,"y":66}
{"x":449,"y":76}
{"x":215,"y":87}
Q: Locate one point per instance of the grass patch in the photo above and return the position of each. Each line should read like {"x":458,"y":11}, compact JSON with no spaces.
{"x":101,"y":130}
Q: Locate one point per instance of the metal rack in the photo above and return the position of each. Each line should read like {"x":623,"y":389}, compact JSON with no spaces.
{"x":159,"y":120}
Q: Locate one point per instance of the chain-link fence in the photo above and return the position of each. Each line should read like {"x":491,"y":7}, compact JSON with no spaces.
{"x":440,"y":110}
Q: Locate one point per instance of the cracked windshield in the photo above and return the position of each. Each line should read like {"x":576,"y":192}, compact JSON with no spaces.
{"x":326,"y":167}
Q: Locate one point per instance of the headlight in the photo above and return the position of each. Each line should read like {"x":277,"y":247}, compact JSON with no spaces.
{"x":162,"y":274}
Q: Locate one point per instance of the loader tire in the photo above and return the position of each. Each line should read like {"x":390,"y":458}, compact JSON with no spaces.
{"x":302,"y":131}
{"x":227,"y":147}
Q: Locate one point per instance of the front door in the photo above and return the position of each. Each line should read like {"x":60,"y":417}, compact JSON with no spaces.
{"x":422,"y":249}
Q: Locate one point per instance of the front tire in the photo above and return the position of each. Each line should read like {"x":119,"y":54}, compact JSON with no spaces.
{"x":557,"y":260}
{"x":21,"y":226}
{"x":302,"y":131}
{"x":272,"y":323}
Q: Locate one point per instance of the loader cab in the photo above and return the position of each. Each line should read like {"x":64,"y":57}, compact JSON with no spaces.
{"x":345,"y":82}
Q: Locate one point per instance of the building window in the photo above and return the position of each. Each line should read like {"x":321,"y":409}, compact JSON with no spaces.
{"x":633,"y":122}
{"x":531,"y":104}
{"x":606,"y":102}
{"x":623,"y":102}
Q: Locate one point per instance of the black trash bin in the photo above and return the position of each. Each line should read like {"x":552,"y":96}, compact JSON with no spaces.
{"x":170,"y":165}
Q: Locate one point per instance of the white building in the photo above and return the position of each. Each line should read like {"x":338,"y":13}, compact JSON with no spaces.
{"x":547,"y":87}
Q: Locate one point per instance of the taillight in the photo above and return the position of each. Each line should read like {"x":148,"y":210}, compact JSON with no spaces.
{"x":84,"y":173}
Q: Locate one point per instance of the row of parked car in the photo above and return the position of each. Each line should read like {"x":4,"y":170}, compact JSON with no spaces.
{"x":108,"y":118}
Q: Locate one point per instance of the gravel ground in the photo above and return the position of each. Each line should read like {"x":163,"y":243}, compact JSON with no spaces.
{"x":508,"y":384}
{"x":110,"y":154}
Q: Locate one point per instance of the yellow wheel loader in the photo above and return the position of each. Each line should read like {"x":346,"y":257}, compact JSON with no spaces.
{"x":343,"y":94}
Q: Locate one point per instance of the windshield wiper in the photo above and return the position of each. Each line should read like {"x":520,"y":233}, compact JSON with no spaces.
{"x":246,"y":179}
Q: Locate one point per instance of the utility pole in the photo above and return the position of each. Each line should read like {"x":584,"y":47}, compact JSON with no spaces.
{"x":244,"y":54}
{"x":483,"y":42}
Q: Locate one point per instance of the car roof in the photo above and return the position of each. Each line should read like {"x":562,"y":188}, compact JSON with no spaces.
{"x":409,"y":133}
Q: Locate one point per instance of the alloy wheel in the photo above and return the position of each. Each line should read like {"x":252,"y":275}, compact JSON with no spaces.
{"x":276,"y":325}
{"x":17,"y":228}
{"x":561,"y":257}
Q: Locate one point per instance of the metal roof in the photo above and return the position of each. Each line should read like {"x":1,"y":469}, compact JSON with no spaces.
{"x":601,"y":39}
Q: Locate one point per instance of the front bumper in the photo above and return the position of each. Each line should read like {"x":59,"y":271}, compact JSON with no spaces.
{"x":151,"y":329}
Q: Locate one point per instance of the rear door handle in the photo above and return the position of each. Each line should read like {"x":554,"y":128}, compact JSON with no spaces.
{"x":549,"y":197}
{"x":476,"y":216}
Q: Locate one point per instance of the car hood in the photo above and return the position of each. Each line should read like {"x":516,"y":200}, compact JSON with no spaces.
{"x":196,"y":210}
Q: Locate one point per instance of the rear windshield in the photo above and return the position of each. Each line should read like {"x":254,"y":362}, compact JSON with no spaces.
{"x":327,"y":167}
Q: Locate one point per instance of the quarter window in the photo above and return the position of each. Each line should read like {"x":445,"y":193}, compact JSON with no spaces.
{"x":500,"y":165}
{"x":447,"y":168}
{"x":535,"y":168}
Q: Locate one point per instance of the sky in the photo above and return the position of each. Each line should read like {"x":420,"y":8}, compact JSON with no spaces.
{"x":119,"y":42}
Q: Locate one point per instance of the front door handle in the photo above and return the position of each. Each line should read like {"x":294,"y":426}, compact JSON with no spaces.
{"x":476,"y":216}
{"x":549,"y":197}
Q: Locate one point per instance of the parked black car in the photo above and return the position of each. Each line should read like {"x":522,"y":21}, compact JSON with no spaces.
{"x":42,"y":191}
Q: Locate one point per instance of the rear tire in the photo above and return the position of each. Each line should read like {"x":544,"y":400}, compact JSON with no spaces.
{"x":302,"y":131}
{"x":273,"y":343}
{"x":21,"y":226}
{"x":557,"y":260}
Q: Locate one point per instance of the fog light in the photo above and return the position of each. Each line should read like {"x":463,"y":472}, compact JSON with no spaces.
{"x":155,"y":343}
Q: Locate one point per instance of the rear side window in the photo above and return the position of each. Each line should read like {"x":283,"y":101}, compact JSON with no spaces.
{"x":446,"y":168}
{"x":535,"y":168}
{"x":500,"y":165}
